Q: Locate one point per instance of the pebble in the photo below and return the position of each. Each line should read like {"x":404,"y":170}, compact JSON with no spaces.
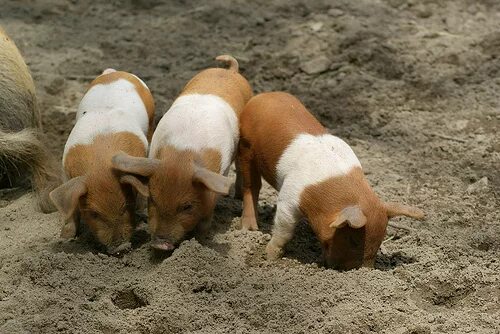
{"x":481,"y":185}
{"x":55,"y":86}
{"x":316,"y":65}
{"x":423,"y":11}
{"x":61,"y":326}
{"x":335,"y":12}
{"x":316,"y":26}
{"x":145,"y":4}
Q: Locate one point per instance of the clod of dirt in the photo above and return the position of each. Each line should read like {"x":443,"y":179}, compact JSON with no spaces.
{"x":128,"y":299}
{"x":55,"y":86}
{"x":145,"y":4}
{"x":335,"y":12}
{"x":316,"y":65}
{"x":481,"y":185}
{"x":391,"y":261}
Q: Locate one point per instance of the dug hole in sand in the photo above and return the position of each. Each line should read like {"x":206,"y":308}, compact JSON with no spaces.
{"x":412,"y":86}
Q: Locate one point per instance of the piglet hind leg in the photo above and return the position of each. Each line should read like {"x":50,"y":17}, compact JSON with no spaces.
{"x":283,"y":229}
{"x":250,"y":211}
{"x":238,"y":193}
{"x":250,"y":188}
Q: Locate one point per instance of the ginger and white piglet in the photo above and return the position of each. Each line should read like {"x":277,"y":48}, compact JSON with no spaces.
{"x":318,"y":178}
{"x":116,"y":114}
{"x":191,"y":151}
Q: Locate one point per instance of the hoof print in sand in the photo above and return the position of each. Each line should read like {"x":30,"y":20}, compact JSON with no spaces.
{"x":128,"y":299}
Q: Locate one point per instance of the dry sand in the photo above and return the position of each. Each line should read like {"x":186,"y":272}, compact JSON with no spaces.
{"x":413,"y":86}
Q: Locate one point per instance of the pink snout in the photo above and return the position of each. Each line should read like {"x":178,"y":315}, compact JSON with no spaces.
{"x":162,"y":244}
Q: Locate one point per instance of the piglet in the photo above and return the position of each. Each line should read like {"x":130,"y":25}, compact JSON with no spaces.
{"x":115,"y":115}
{"x":190,"y":154}
{"x":318,"y":178}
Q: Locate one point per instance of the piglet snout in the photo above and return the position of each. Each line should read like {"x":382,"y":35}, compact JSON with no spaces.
{"x":122,"y":248}
{"x":162,"y":244}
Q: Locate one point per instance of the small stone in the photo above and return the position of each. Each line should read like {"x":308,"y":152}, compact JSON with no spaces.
{"x":418,"y":329}
{"x":472,"y":9}
{"x":61,"y":326}
{"x":401,"y":330}
{"x":481,"y":185}
{"x":259,"y":20}
{"x":145,"y":4}
{"x":55,"y":86}
{"x":316,"y":65}
{"x":458,"y":125}
{"x":316,"y":26}
{"x":423,"y":11}
{"x":335,"y":12}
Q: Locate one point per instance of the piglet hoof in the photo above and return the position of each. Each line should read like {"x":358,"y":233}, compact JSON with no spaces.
{"x":141,"y":216}
{"x":120,"y":249}
{"x":273,"y":252}
{"x":249,"y":224}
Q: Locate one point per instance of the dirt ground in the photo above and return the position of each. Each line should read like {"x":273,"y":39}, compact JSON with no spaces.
{"x":412,"y":85}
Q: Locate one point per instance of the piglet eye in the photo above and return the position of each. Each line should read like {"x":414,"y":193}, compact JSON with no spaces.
{"x":185,"y":207}
{"x":93,"y":215}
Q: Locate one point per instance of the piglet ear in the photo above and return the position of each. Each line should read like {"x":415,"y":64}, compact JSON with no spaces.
{"x":66,"y":196}
{"x":136,"y":183}
{"x":134,"y":165}
{"x":213,"y":181}
{"x":351,"y":215}
{"x":397,"y":209}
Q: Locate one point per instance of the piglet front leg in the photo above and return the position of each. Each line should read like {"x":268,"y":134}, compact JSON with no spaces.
{"x":284,"y":226}
{"x":70,"y":227}
{"x":204,"y":227}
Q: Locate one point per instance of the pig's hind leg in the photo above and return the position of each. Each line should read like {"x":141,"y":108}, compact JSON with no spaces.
{"x":238,"y":185}
{"x":250,"y":188}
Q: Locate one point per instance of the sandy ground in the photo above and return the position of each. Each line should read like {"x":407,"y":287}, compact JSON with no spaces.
{"x":413,"y":86}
